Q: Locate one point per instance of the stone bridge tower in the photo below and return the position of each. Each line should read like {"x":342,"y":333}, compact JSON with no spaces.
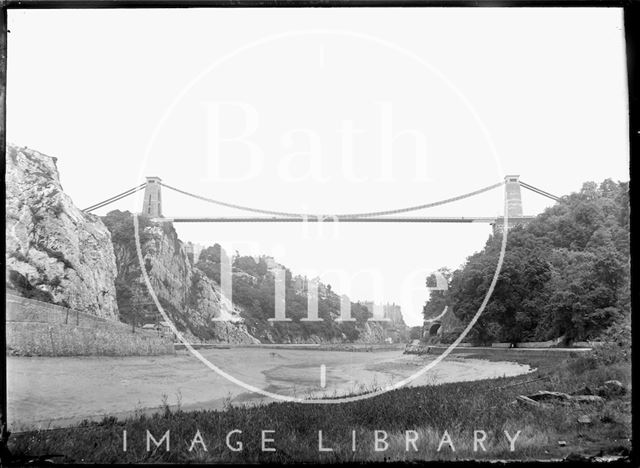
{"x":514,"y":204}
{"x":514,"y":197}
{"x":152,"y":205}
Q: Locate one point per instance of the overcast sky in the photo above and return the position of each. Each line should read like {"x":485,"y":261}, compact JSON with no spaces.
{"x":325,"y":110}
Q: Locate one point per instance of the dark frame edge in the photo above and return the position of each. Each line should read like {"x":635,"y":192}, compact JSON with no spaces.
{"x":632,"y":40}
{"x":103,"y":4}
{"x":4,"y":434}
{"x":632,"y":36}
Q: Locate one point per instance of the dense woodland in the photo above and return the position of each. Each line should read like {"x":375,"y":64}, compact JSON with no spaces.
{"x":565,"y":273}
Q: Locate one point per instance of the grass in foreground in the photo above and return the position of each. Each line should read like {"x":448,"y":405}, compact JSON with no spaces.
{"x":458,"y":408}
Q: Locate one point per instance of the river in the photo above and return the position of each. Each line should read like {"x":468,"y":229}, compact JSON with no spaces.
{"x":47,"y":392}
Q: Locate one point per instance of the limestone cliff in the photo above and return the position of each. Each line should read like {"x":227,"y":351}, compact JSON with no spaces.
{"x":54,"y":251}
{"x":191,"y":300}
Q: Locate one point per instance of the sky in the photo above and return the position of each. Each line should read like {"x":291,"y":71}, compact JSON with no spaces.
{"x":325,"y":111}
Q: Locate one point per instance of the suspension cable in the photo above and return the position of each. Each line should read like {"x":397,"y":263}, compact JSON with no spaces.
{"x":539,"y":191}
{"x":338,"y":216}
{"x":115,"y":198}
{"x":308,"y":215}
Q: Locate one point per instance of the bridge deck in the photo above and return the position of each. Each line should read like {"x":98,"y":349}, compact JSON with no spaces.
{"x":402,"y":219}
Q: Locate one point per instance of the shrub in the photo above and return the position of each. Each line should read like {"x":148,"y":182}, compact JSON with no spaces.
{"x":616,"y":346}
{"x":55,"y":282}
{"x":24,"y":288}
{"x":582,"y":364}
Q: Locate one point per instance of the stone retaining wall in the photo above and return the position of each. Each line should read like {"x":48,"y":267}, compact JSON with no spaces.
{"x":39,"y":329}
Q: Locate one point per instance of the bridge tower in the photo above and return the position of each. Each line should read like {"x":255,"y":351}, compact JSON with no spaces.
{"x":514,"y":204}
{"x":514,"y":198}
{"x":152,"y":205}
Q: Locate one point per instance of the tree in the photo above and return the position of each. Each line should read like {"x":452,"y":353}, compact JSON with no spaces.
{"x":438,"y":299}
{"x":566,"y":273}
{"x":415,"y":333}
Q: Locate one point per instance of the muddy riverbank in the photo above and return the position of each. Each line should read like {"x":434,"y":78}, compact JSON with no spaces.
{"x":46,"y":392}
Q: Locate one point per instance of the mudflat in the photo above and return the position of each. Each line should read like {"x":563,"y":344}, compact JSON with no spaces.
{"x":47,"y":392}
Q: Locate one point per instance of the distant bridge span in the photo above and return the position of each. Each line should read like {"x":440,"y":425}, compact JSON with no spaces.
{"x":152,"y":208}
{"x":396,"y":219}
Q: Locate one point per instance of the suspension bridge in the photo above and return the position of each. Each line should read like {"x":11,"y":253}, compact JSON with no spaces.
{"x":152,"y":208}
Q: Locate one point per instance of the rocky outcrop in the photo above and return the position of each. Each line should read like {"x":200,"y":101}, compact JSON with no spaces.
{"x":55,"y":251}
{"x":372,"y":332}
{"x":192,"y":301}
